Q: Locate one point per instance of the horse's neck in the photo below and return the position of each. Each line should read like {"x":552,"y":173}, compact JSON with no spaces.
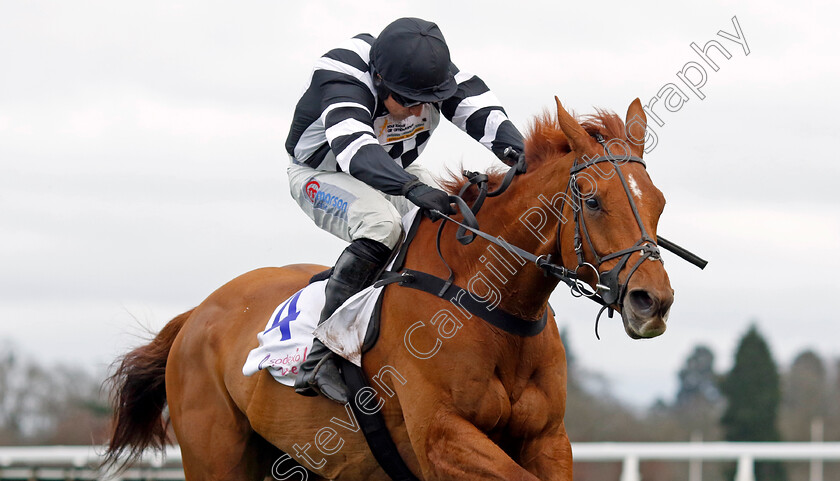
{"x":498,"y":275}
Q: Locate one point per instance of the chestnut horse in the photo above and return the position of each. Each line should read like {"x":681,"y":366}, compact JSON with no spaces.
{"x":462,"y":399}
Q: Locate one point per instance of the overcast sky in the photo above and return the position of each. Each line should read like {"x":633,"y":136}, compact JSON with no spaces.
{"x":142,"y":162}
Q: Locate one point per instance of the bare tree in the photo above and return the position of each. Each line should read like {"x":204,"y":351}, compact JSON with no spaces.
{"x":54,"y":404}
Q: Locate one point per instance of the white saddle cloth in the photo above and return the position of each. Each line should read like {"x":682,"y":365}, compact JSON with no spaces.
{"x":287,"y":337}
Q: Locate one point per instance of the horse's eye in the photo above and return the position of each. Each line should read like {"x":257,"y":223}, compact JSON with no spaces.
{"x":592,"y":203}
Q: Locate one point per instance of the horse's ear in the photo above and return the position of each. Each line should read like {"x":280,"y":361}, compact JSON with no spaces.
{"x":635,"y":125}
{"x":578,"y":138}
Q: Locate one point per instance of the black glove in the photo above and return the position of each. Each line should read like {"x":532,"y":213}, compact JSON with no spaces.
{"x":427,"y":197}
{"x":514,"y":158}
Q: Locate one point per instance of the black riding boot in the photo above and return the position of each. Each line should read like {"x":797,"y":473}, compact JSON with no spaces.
{"x":355,"y":269}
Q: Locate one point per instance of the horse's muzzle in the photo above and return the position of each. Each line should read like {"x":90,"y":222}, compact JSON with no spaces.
{"x":645,"y":313}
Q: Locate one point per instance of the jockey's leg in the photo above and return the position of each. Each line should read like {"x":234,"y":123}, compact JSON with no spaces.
{"x":356,"y":268}
{"x":351,"y":210}
{"x":345,"y":206}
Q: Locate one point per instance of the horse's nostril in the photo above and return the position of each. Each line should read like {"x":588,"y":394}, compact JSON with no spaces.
{"x":642,"y":301}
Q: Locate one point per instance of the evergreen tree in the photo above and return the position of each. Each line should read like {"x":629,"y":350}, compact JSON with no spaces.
{"x":698,"y":401}
{"x":753,"y":394}
{"x":698,"y":381}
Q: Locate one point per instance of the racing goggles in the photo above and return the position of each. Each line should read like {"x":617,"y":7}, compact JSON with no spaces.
{"x":407,"y":103}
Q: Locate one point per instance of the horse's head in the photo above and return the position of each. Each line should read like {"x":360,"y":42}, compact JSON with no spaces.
{"x":613,"y":211}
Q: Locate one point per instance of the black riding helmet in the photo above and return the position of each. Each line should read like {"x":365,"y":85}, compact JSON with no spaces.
{"x":412,"y":59}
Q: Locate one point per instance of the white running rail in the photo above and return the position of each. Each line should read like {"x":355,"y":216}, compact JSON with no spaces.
{"x":37,"y":463}
{"x":746,"y":454}
{"x":80,"y":462}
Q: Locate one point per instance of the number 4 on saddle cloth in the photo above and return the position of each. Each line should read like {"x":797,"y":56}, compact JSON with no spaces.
{"x":288,"y":335}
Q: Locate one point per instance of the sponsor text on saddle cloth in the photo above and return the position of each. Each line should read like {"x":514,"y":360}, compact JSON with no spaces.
{"x":288,"y":335}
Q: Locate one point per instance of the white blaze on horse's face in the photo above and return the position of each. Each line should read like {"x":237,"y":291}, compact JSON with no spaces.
{"x":634,"y":187}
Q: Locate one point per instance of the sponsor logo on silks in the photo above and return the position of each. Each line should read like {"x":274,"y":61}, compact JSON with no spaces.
{"x":395,"y":135}
{"x":292,"y":360}
{"x":391,"y":131}
{"x":292,"y":313}
{"x":311,"y":188}
{"x":329,"y":198}
{"x":266,"y":358}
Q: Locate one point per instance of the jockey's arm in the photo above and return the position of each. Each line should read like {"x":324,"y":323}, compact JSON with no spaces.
{"x":476,"y":110}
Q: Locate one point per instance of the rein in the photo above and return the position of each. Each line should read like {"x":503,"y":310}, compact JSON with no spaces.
{"x":609,"y":291}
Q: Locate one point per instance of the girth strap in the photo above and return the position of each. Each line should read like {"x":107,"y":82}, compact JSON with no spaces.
{"x":374,"y":428}
{"x":461,"y":298}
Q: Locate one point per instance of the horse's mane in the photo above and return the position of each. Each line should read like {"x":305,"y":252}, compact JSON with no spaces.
{"x":544,"y":141}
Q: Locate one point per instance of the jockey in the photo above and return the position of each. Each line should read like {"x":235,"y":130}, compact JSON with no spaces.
{"x":368,"y":111}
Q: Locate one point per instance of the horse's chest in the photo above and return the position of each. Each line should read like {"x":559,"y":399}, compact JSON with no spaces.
{"x":530,"y":413}
{"x":521,"y":411}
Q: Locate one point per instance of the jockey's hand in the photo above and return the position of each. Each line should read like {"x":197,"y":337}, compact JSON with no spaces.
{"x":514,"y":158}
{"x":427,"y":197}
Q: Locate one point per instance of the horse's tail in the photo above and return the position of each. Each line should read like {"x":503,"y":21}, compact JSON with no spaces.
{"x":138,"y":397}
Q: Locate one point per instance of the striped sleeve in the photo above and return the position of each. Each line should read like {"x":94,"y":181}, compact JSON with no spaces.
{"x":349,"y":132}
{"x":475,"y":109}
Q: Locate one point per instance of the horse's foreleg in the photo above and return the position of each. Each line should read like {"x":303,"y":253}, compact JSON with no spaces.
{"x":454,"y":449}
{"x":548,"y":456}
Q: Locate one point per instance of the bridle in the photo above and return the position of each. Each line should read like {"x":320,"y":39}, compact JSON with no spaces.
{"x":609,"y":290}
{"x":608,"y":286}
